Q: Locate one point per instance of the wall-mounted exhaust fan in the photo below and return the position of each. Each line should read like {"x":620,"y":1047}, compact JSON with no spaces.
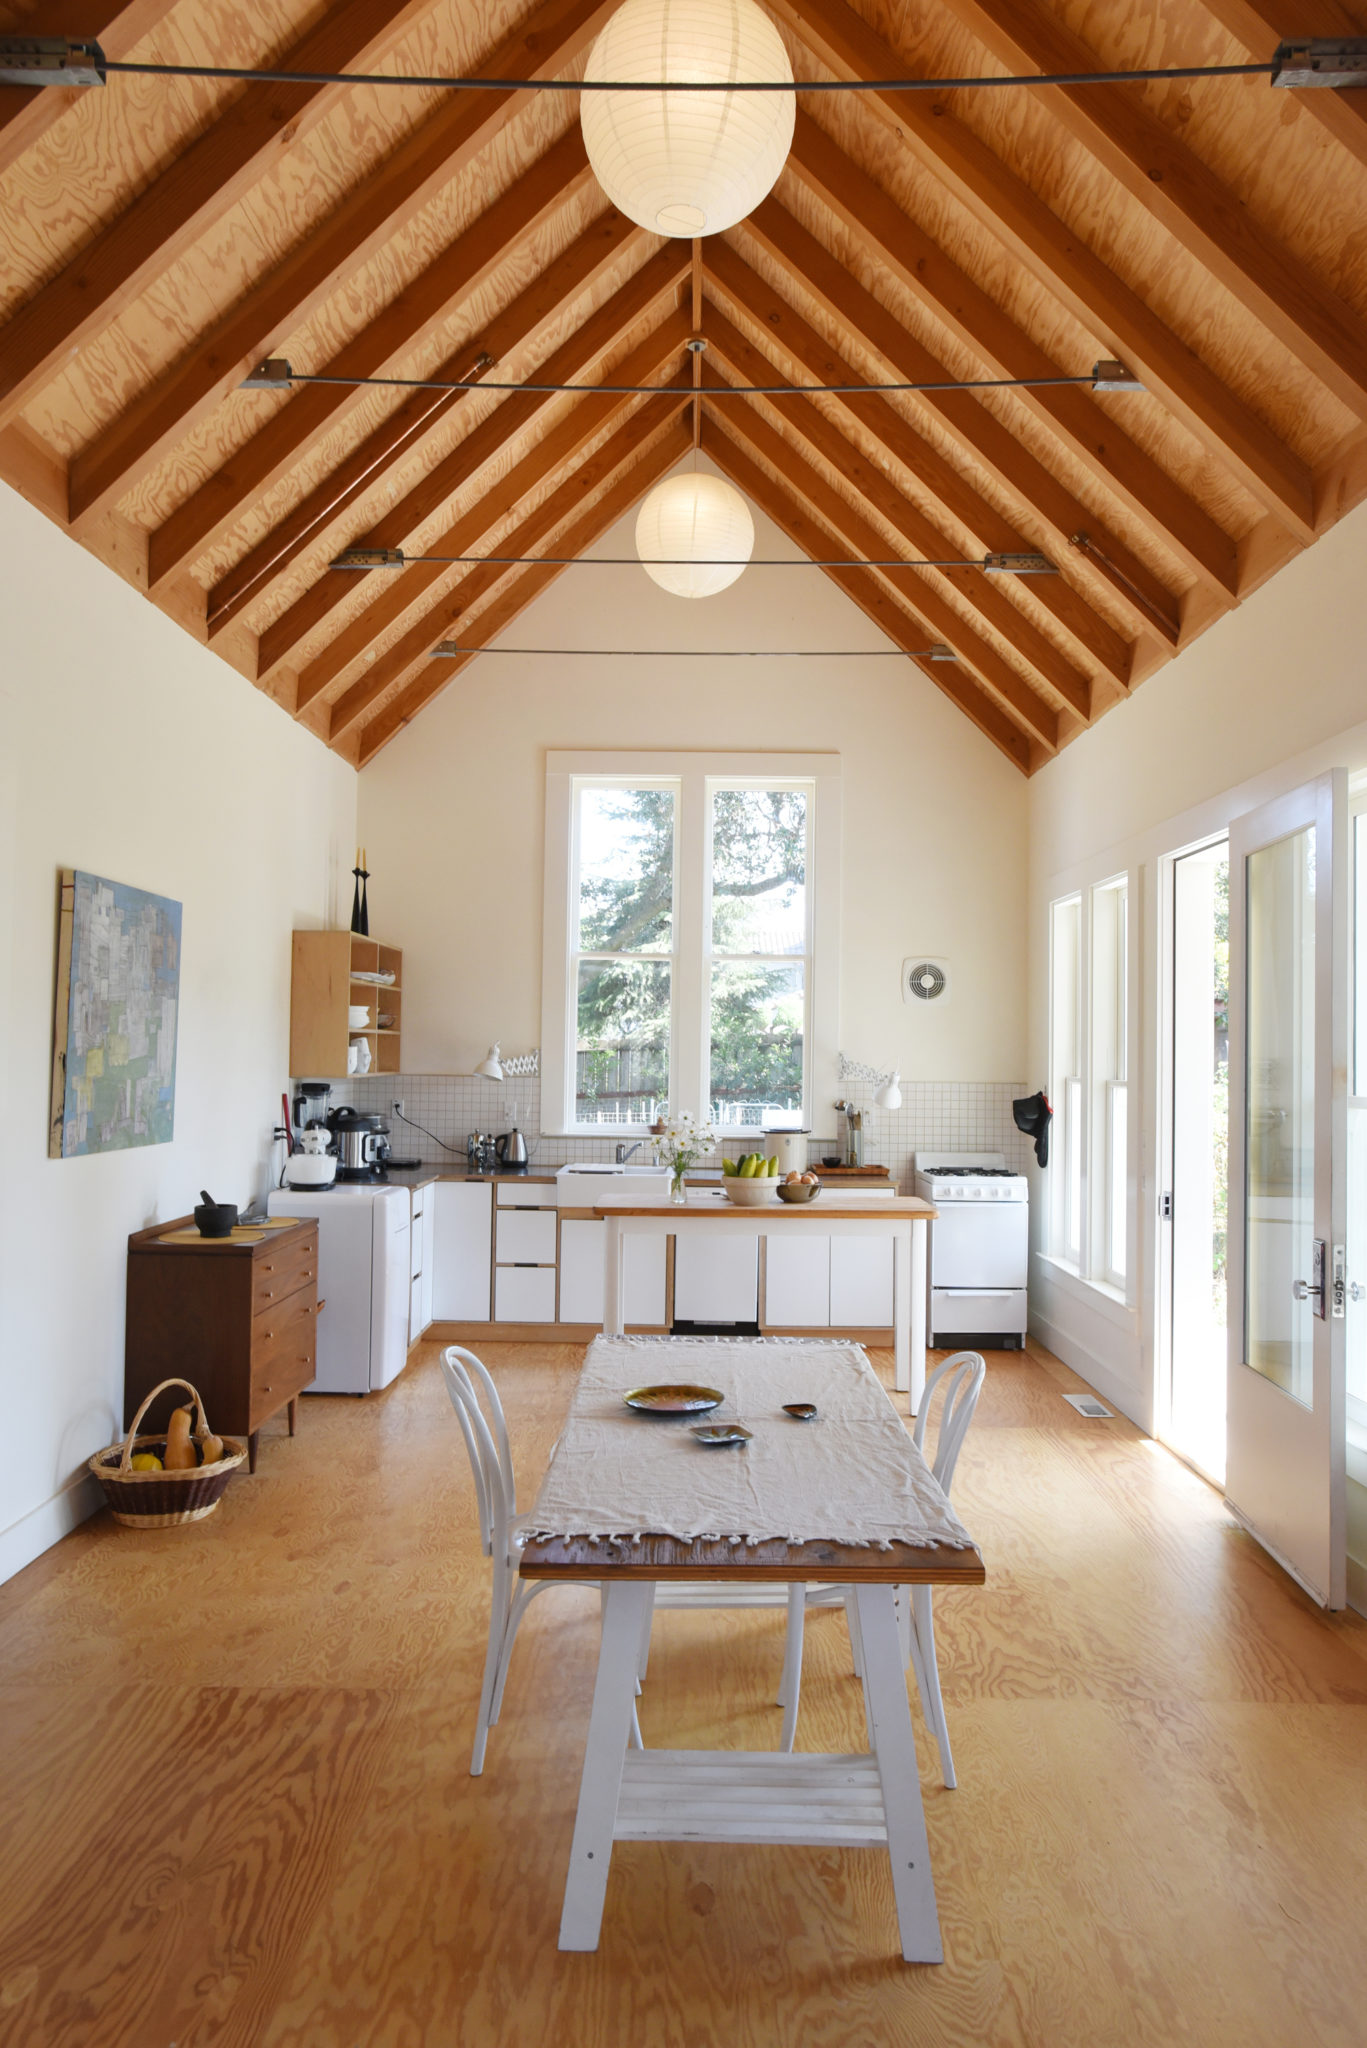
{"x":925,"y":981}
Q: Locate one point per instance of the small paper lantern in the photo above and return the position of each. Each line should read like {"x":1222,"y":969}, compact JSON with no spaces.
{"x":698,"y":521}
{"x":688,"y":163}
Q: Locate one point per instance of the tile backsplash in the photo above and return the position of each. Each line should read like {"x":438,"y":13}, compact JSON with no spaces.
{"x":940,"y":1116}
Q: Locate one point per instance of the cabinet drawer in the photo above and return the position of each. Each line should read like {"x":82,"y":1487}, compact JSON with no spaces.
{"x":525,"y":1236}
{"x":524,"y":1294}
{"x":284,"y":1352}
{"x":525,"y":1194}
{"x":277,"y":1274}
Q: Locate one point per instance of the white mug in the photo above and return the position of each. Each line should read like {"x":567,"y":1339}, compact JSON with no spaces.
{"x":352,"y":1055}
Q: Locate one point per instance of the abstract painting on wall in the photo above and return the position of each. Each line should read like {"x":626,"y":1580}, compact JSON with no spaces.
{"x":114,"y":1033}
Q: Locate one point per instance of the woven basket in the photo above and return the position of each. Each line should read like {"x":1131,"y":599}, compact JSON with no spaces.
{"x":161,"y":1500}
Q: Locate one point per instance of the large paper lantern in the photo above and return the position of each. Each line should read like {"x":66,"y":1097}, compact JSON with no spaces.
{"x":688,"y":163}
{"x":694,"y":535}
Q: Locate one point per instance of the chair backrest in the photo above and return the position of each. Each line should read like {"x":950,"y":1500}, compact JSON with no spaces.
{"x":480,"y":1414}
{"x":966,"y":1372}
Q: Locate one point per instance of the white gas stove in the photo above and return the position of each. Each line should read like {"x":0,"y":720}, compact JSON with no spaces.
{"x":979,"y":1248}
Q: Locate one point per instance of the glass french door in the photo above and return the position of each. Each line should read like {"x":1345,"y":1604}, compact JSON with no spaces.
{"x":1288,"y":1016}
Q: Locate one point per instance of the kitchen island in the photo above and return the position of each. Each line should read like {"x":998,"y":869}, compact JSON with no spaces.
{"x":899,"y":1218}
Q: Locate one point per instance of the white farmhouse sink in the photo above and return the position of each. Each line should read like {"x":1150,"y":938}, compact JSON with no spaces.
{"x":592,"y":1183}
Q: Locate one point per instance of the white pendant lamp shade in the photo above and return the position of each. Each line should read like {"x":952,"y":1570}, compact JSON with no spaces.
{"x":688,"y":163}
{"x":694,"y":535}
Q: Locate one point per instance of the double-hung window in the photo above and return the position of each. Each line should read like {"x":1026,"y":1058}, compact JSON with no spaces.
{"x":689,"y":951}
{"x":1089,"y":943}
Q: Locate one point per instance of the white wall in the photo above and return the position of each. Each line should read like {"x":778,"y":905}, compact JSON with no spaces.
{"x":129,"y":751}
{"x":1272,"y":695}
{"x":934,"y":841}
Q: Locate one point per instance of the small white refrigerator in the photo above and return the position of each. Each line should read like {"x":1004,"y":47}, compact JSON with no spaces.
{"x":363,"y":1281}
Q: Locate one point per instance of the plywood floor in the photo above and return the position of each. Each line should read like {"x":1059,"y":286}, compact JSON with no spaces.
{"x":235,"y":1802}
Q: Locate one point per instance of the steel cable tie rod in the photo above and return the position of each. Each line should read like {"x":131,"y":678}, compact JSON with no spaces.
{"x":361,"y":558}
{"x":276,"y":374}
{"x":448,"y":650}
{"x":1323,"y":61}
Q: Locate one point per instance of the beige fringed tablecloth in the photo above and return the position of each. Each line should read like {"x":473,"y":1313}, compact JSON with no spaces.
{"x":852,"y":1476}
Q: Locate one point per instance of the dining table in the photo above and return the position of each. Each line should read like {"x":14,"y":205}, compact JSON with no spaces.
{"x":633,"y":1499}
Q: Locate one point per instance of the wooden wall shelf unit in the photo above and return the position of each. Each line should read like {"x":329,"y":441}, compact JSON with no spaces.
{"x":237,"y":1317}
{"x":322,"y":988}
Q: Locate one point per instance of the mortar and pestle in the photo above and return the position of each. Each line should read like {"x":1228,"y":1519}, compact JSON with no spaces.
{"x":215,"y":1219}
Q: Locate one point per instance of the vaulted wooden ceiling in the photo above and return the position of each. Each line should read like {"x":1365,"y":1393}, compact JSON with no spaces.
{"x":161,"y":236}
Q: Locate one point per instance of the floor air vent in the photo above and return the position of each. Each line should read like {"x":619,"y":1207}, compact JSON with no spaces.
{"x":1087,"y":1404}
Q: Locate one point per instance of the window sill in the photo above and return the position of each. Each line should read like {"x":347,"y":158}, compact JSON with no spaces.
{"x":1098,"y":1294}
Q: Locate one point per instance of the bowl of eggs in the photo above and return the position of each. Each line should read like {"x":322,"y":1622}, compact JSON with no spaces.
{"x":799,"y":1187}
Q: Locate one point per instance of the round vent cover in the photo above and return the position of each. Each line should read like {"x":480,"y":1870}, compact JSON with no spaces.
{"x":924,"y":981}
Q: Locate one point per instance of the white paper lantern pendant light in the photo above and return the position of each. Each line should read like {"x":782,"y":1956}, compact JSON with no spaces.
{"x":688,"y":164}
{"x":694,"y":535}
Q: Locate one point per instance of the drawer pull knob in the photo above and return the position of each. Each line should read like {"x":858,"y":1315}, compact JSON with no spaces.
{"x":269,"y":1335}
{"x":265,"y":1390}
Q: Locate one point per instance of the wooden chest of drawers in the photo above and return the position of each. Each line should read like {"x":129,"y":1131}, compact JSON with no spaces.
{"x":237,"y":1317}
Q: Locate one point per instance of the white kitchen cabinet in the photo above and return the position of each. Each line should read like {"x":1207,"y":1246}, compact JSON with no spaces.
{"x":429,"y":1236}
{"x":525,"y":1237}
{"x":526,"y":1194}
{"x":861,"y":1282}
{"x":797,"y":1281}
{"x":582,"y":1246}
{"x":716,"y":1276}
{"x":419,"y":1244}
{"x":524,"y":1294}
{"x":462,"y":1251}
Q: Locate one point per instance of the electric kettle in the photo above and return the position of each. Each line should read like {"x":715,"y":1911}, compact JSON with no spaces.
{"x":511,"y":1148}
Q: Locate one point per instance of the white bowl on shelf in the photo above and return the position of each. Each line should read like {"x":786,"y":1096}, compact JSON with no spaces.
{"x":357,"y":1016}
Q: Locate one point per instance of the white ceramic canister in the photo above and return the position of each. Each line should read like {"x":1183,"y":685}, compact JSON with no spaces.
{"x":790,"y":1149}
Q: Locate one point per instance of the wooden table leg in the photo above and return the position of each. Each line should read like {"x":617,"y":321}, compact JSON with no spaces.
{"x":903,"y":1353}
{"x":626,"y":1614}
{"x":613,"y":1263}
{"x":252,"y":1441}
{"x":294,"y":1413}
{"x":894,"y":1746}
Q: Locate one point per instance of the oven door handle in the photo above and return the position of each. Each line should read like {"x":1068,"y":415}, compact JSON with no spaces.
{"x":983,"y":1293}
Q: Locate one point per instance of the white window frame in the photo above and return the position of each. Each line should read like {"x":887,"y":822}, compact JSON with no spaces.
{"x":1085,"y":1221}
{"x":695,"y":776}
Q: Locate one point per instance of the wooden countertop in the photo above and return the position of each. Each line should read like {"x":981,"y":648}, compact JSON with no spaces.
{"x":879,"y":1209}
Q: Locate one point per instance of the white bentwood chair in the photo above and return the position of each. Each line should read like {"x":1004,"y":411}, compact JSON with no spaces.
{"x":472,"y":1392}
{"x":963,"y":1375}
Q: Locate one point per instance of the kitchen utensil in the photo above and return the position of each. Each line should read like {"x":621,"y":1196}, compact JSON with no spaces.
{"x":722,"y":1433}
{"x":798,"y":1190}
{"x":673,"y":1400}
{"x":511,"y":1148}
{"x":351,"y":1058}
{"x":357,"y":1016}
{"x":215,"y":1219}
{"x":801,"y":1411}
{"x":748,"y":1194}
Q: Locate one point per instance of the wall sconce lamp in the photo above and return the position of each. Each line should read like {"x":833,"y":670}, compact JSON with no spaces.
{"x":493,"y":1067}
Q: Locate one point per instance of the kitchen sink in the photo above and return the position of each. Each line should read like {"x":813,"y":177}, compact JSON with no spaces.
{"x":591,"y":1182}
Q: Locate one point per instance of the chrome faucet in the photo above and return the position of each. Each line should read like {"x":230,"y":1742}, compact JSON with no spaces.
{"x":624,"y":1152}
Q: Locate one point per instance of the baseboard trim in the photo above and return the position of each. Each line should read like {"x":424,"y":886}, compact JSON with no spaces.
{"x":1357,"y":1586}
{"x":1099,"y":1377}
{"x":45,"y":1525}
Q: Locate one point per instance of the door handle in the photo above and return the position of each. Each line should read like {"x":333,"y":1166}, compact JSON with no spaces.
{"x":1313,"y":1289}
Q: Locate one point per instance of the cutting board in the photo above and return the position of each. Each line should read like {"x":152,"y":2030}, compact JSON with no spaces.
{"x":851,"y":1172}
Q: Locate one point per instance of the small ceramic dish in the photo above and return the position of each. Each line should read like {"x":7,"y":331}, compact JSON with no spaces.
{"x":801,"y":1411}
{"x":799,"y":1190}
{"x":722,"y":1433}
{"x":677,"y":1400}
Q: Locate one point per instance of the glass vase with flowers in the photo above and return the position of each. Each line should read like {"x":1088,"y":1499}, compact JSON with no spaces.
{"x":680,"y":1142}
